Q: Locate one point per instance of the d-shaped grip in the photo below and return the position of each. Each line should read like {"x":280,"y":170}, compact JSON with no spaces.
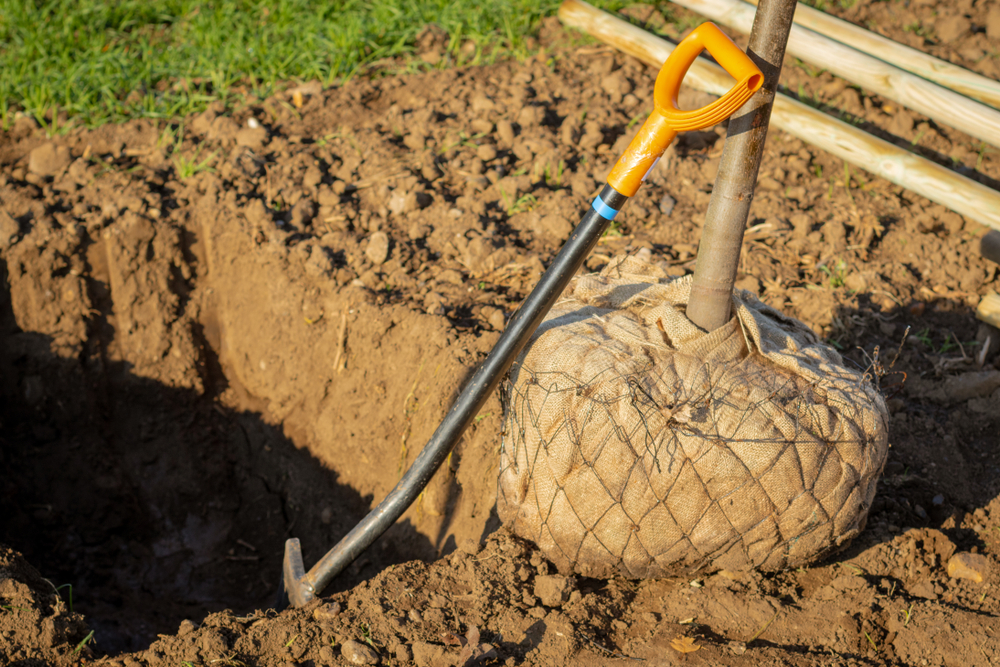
{"x":667,"y":120}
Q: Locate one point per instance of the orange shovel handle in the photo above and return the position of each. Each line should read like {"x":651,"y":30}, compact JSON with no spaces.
{"x":667,"y":120}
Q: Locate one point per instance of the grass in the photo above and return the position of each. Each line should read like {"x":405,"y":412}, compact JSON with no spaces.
{"x":187,"y":167}
{"x":524,"y":203}
{"x":366,"y":635}
{"x":951,"y":341}
{"x":907,"y":614}
{"x":614,"y":230}
{"x":84,"y":642}
{"x":836,"y":274}
{"x":70,"y":587}
{"x":89,"y":62}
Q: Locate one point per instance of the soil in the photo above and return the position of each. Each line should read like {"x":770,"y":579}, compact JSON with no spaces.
{"x":198,"y":363}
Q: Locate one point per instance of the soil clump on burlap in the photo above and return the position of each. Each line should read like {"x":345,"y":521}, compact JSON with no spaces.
{"x":196,"y":364}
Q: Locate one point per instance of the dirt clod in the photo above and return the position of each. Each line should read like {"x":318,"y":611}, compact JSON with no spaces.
{"x":553,"y":589}
{"x":327,"y":612}
{"x":427,"y":655}
{"x":48,"y":159}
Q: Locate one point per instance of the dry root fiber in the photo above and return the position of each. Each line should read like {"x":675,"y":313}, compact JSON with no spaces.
{"x":636,"y":444}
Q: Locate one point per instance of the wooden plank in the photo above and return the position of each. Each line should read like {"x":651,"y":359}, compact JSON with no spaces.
{"x":942,"y":104}
{"x":922,"y":64}
{"x":989,"y":309}
{"x":973,"y":200}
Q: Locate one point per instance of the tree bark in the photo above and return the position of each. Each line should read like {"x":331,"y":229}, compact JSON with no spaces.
{"x":722,"y":237}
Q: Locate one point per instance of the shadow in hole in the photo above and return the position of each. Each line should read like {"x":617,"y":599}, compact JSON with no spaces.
{"x":154,"y":502}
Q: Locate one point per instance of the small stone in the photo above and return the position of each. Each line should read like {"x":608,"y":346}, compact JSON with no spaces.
{"x":327,"y":612}
{"x":378,"y":248}
{"x":358,"y":653}
{"x":667,"y":204}
{"x":48,"y":159}
{"x":553,"y":589}
{"x":966,"y":565}
{"x":937,"y":500}
{"x":397,"y":202}
{"x":497,"y":320}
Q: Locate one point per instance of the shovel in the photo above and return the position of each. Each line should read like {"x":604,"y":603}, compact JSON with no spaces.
{"x":298,"y":587}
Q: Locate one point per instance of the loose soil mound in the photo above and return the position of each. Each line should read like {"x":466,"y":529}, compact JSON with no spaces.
{"x":198,"y":364}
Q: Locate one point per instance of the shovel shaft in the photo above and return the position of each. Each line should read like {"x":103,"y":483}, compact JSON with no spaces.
{"x":722,"y":235}
{"x":516,"y":335}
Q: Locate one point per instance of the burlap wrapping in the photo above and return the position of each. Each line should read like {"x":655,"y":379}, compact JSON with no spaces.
{"x":635,"y":444}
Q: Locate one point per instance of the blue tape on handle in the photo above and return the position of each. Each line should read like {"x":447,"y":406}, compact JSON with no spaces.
{"x":603,"y":209}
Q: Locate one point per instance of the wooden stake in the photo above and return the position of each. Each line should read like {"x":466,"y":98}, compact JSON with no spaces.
{"x":973,"y":200}
{"x":722,"y":236}
{"x":922,"y":64}
{"x":943,"y":105}
{"x":989,"y":309}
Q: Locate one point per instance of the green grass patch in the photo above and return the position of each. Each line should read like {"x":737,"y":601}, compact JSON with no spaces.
{"x":94,"y":61}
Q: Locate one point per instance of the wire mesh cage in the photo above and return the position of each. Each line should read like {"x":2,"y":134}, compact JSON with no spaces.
{"x":635,"y":444}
